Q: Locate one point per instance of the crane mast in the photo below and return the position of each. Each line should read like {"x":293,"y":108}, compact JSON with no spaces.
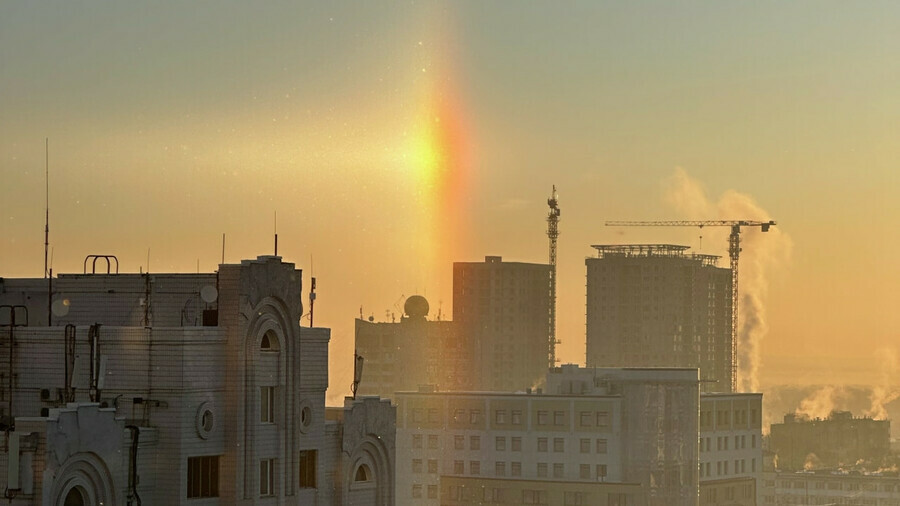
{"x":734,"y":252}
{"x":553,"y":234}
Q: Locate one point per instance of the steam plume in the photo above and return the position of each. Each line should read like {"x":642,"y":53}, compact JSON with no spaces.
{"x":887,"y":390}
{"x":760,"y":254}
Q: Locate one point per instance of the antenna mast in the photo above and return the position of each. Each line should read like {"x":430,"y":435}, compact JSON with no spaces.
{"x":553,"y":234}
{"x":47,"y":202}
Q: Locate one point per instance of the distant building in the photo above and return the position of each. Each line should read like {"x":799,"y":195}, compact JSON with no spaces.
{"x":633,"y":431}
{"x":829,"y":487}
{"x":179,"y":389}
{"x":731,"y":455}
{"x":654,"y":305}
{"x":502,"y":310}
{"x":839,"y":440}
{"x":414,"y":351}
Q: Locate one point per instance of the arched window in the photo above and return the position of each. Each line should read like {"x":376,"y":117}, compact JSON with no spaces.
{"x":363,"y":473}
{"x":269,"y":341}
{"x":75,"y":498}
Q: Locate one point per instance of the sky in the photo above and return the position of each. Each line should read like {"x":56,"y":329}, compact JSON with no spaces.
{"x":392,"y":139}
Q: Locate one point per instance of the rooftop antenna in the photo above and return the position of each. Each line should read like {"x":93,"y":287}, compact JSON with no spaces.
{"x":223,"y":247}
{"x":276,"y":233}
{"x":47,"y":202}
{"x":312,"y":293}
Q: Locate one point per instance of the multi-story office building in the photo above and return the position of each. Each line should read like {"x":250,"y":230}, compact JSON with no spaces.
{"x":839,"y":440}
{"x":654,"y":305}
{"x":731,"y":458}
{"x":634,"y":430}
{"x":179,"y":389}
{"x":502,"y":310}
{"x":414,"y":351}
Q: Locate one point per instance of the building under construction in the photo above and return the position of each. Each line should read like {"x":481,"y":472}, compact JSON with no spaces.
{"x":656,"y":305}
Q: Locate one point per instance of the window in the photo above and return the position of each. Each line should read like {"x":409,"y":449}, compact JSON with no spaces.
{"x":417,"y":465}
{"x":500,"y":468}
{"x":432,"y":441}
{"x":459,"y":442}
{"x":474,"y":416}
{"x":542,"y":444}
{"x":455,"y":492}
{"x":573,"y":499}
{"x":500,"y":443}
{"x":267,"y":404}
{"x":417,"y":491}
{"x":432,"y":415}
{"x":458,"y":467}
{"x":266,"y":477}
{"x":417,"y":415}
{"x":602,"y":419}
{"x":559,"y":445}
{"x":585,"y":419}
{"x":500,"y":416}
{"x":534,"y":496}
{"x":363,"y":473}
{"x":203,"y":477}
{"x":516,"y":417}
{"x":542,"y":469}
{"x":269,"y":341}
{"x":558,"y":418}
{"x":475,"y":442}
{"x":601,"y":472}
{"x":559,"y":470}
{"x":585,"y":446}
{"x":432,"y":466}
{"x":498,"y":495}
{"x":542,"y":417}
{"x":459,"y":415}
{"x":308,"y":468}
{"x":753,"y":441}
{"x":516,"y":443}
{"x":515,"y":468}
{"x":417,"y":441}
{"x":432,"y":491}
{"x":601,"y":446}
{"x":584,"y":471}
{"x":474,"y":467}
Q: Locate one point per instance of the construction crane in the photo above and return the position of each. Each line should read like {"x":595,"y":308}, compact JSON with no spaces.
{"x":734,"y":252}
{"x":553,"y":234}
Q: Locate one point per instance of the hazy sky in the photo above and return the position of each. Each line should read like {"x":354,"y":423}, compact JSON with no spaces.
{"x":395,"y":138}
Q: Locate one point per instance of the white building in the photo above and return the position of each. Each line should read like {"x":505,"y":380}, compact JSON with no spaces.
{"x":632,"y":429}
{"x":731,"y":449}
{"x":166,"y":389}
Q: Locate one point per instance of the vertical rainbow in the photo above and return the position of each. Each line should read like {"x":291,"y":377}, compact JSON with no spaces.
{"x":441,"y":161}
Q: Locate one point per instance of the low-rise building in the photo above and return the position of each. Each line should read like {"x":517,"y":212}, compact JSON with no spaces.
{"x":839,"y":440}
{"x":830,"y":487}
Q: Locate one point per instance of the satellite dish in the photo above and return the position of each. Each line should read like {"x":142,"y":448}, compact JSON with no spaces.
{"x":209,"y":294}
{"x":60,"y":307}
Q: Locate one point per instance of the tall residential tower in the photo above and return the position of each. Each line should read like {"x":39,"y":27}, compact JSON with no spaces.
{"x":655,"y":305}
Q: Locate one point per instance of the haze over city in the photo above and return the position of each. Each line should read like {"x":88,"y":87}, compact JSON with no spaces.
{"x":395,"y":139}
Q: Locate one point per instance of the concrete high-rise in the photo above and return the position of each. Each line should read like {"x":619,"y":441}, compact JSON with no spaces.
{"x":655,"y":305}
{"x":501,"y":308}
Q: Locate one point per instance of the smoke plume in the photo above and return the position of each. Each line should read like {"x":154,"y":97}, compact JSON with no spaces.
{"x":761,"y":253}
{"x":888,"y":390}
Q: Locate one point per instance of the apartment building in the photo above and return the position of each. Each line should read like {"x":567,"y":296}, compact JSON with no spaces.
{"x":170,"y":389}
{"x":731,"y":458}
{"x":633,"y":428}
{"x":655,"y":305}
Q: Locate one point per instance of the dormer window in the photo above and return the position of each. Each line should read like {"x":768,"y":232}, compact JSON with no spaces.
{"x":269,"y":342}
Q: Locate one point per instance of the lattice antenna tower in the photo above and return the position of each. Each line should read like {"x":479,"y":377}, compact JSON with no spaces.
{"x":553,"y":234}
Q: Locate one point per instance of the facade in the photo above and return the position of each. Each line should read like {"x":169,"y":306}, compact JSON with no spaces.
{"x":826,"y":487}
{"x":654,"y":305}
{"x":632,"y":428}
{"x":414,"y":351}
{"x":731,"y":455}
{"x":462,"y":490}
{"x":179,"y":389}
{"x":501,"y":310}
{"x":839,"y":440}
